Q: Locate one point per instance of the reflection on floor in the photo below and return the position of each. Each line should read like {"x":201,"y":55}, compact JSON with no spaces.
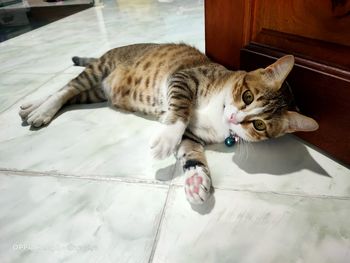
{"x":84,"y":188}
{"x":20,"y":16}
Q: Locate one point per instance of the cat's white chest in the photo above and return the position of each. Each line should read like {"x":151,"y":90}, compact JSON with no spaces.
{"x":208,"y":120}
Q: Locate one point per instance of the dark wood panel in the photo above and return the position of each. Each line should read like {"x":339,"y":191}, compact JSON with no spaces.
{"x":314,"y":29}
{"x":325,"y":20}
{"x":335,"y":55}
{"x":227,"y":30}
{"x":321,"y":92}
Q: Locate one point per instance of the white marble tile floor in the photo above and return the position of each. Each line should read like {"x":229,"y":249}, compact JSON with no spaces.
{"x":85,"y":189}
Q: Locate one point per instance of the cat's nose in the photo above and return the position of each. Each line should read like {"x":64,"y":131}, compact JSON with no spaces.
{"x":233,"y":119}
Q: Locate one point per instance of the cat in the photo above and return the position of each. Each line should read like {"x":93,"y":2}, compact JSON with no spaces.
{"x":197,"y":101}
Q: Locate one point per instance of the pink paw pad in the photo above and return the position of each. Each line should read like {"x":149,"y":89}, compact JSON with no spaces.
{"x":197,"y":186}
{"x":194,"y":183}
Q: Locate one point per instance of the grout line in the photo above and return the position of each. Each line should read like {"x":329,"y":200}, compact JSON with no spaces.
{"x":285,"y":193}
{"x":304,"y":195}
{"x":169,"y":183}
{"x":88,"y":177}
{"x":161,"y":222}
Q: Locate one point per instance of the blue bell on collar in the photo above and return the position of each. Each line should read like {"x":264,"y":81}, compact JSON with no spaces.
{"x":231,"y":140}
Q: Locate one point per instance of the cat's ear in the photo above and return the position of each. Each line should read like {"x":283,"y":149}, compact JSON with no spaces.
{"x":277,"y":72}
{"x":299,"y":122}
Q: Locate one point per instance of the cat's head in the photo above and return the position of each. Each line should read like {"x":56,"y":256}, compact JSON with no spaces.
{"x":261,"y":105}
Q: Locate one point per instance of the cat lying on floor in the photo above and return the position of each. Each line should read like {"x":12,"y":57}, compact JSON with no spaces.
{"x":199,"y":102}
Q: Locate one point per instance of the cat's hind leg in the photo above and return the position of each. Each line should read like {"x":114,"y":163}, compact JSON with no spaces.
{"x":28,"y":110}
{"x":27,"y":107}
{"x":86,"y":87}
{"x":197,"y":177}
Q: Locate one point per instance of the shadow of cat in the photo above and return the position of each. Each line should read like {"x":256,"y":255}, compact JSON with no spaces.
{"x":166,"y":173}
{"x":207,"y":207}
{"x":279,"y":156}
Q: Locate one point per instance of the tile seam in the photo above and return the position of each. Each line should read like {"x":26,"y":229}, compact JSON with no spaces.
{"x":160,"y":225}
{"x":134,"y":180}
{"x":277,"y":193}
{"x":92,"y":178}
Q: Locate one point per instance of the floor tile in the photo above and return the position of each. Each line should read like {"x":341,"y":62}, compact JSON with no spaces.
{"x":13,"y":87}
{"x":49,"y":219}
{"x":93,"y":31}
{"x":285,"y":165}
{"x":49,"y":58}
{"x":254,"y":227}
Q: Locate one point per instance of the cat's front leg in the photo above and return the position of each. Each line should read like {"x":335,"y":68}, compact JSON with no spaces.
{"x":180,"y":96}
{"x":197,"y":178}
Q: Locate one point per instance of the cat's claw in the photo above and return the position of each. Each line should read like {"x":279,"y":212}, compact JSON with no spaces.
{"x":197,"y":185}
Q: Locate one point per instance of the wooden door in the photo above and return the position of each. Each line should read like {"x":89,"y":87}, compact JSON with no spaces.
{"x":251,"y":34}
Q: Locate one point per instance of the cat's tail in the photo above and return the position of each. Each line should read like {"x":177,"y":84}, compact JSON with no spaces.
{"x":83,"y":62}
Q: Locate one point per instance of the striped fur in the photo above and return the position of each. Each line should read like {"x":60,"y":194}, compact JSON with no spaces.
{"x":198,"y":101}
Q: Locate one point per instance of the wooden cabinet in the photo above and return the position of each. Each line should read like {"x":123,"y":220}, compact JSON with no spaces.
{"x":249,"y":34}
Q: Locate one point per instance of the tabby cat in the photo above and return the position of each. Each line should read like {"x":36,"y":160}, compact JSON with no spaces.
{"x":197,"y":101}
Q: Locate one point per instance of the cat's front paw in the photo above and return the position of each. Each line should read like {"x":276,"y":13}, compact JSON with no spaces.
{"x":165,"y":142}
{"x":197,"y":185}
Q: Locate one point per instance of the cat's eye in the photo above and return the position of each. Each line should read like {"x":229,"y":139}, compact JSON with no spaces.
{"x":248,"y":97}
{"x":259,"y":125}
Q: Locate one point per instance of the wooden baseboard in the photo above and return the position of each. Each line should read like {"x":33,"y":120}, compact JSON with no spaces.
{"x":321,"y":92}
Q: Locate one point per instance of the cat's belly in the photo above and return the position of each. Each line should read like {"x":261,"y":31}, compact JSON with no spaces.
{"x":134,"y":98}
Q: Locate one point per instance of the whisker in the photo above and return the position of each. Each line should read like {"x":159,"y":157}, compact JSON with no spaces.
{"x":243,"y":149}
